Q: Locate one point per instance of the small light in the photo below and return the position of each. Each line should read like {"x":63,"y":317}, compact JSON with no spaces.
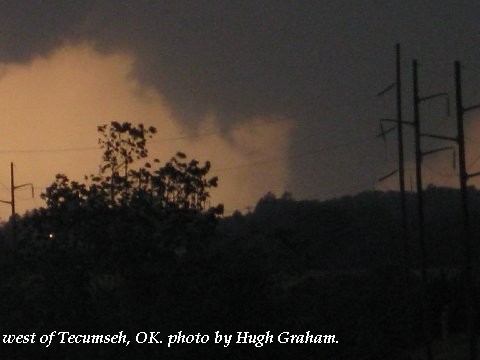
{"x":51,"y":236}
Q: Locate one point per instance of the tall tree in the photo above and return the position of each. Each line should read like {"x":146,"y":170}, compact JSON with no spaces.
{"x":122,"y":144}
{"x":179,"y":184}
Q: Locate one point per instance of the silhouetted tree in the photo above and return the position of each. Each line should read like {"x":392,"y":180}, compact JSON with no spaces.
{"x":179,"y":184}
{"x":122,"y":144}
{"x":65,"y":193}
{"x":184,"y":184}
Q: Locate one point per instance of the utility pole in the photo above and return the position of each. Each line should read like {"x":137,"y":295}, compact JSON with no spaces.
{"x":12,"y":191}
{"x":420,"y":206}
{"x":419,"y":155}
{"x":401,"y":181}
{"x":467,"y":232}
{"x":467,"y":236}
{"x":14,"y":187}
{"x":421,"y":216}
{"x":401,"y":163}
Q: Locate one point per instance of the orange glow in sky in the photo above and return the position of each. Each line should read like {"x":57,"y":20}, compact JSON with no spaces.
{"x":50,"y":110}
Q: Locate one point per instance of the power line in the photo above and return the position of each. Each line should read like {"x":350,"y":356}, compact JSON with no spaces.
{"x":210,"y":132}
{"x":249,"y":164}
{"x":73,"y":149}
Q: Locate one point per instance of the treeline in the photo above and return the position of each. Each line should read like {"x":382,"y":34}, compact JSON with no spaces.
{"x":355,"y":232}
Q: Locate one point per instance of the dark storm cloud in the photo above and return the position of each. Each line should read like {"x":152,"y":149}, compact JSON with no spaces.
{"x":35,"y":28}
{"x":318,"y":62}
{"x":235,"y":59}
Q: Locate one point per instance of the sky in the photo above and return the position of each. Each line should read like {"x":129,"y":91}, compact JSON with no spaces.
{"x":278,"y":95}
